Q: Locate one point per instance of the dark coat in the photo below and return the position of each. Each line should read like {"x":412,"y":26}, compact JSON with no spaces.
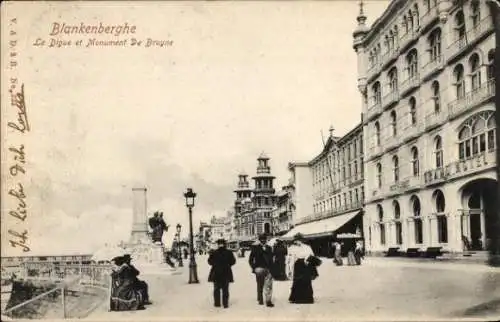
{"x":221,"y":261}
{"x":261,"y":257}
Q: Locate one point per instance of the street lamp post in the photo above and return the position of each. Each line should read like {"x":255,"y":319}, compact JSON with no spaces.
{"x":179,"y":244}
{"x":193,"y":275}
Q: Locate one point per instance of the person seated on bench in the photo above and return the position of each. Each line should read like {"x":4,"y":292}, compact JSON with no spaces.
{"x":124,"y":295}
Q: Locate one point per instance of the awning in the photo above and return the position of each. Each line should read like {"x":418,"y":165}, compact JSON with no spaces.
{"x":323,"y":227}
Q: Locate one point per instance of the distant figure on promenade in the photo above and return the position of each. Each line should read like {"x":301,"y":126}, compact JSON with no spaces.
{"x":261,"y":261}
{"x":124,"y":295}
{"x":185,"y":253}
{"x":139,"y":285}
{"x":280,"y":253}
{"x":168,"y":259}
{"x":337,"y":257}
{"x":221,"y":273}
{"x":351,"y":247}
{"x":359,"y":252}
{"x":304,"y":271}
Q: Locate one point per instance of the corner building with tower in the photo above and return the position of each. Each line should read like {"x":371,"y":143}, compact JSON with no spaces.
{"x":426,"y":78}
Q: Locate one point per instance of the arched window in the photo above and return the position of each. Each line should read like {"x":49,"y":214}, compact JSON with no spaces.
{"x":436,"y":97}
{"x":412,"y":63}
{"x":395,"y":168}
{"x":439,"y":201}
{"x":394,"y":124}
{"x":391,"y":40}
{"x":438,"y":152}
{"x":379,"y":175}
{"x":387,"y":43}
{"x":377,"y":93}
{"x":397,"y":218}
{"x":404,"y":23}
{"x":414,"y":161}
{"x":393,"y":80}
{"x":415,"y":206}
{"x":413,"y":110}
{"x":396,"y":33}
{"x":458,"y":74}
{"x":411,"y":23}
{"x":477,"y":134}
{"x":475,"y":72}
{"x":442,"y":221}
{"x":460,"y":26}
{"x":380,"y":213}
{"x":416,"y":14}
{"x":475,"y":13}
{"x":491,"y":64}
{"x":377,"y":133}
{"x":435,"y":45}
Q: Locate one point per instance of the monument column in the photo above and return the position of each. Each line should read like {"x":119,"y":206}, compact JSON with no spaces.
{"x":140,"y":217}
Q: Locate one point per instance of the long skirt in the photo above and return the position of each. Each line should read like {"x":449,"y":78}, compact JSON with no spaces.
{"x":125,"y":297}
{"x":302,"y":291}
{"x":350,"y":258}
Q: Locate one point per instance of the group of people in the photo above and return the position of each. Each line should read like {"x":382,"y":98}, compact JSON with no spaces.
{"x":355,"y":252}
{"x":267,"y":264}
{"x":128,"y":293}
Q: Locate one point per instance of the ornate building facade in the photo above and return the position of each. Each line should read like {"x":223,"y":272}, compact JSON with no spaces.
{"x":337,"y":178}
{"x":283,"y":211}
{"x":425,"y":73}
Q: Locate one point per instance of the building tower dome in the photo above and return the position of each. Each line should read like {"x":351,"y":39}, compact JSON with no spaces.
{"x":361,"y":30}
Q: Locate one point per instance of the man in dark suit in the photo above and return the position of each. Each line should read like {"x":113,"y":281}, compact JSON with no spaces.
{"x":261,"y":261}
{"x":221,"y":273}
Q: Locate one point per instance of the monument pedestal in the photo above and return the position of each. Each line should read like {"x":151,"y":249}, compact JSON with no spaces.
{"x":148,"y":258}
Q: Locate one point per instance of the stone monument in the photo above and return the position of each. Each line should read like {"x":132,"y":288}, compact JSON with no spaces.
{"x":145,"y":254}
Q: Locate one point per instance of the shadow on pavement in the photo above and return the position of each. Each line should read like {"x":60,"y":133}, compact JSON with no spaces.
{"x":490,"y":308}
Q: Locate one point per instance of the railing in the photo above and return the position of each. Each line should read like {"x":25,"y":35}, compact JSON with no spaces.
{"x":389,"y":56}
{"x":428,"y":17}
{"x":375,"y":150}
{"x":69,"y":280}
{"x":481,"y":161}
{"x":433,"y":65}
{"x":376,"y":108}
{"x":472,"y":98}
{"x":374,"y":69}
{"x":436,"y":118}
{"x":472,"y":35}
{"x":329,"y":213}
{"x":413,"y":130}
{"x":409,"y":83}
{"x":407,"y":38}
{"x":391,"y":141}
{"x":390,"y":98}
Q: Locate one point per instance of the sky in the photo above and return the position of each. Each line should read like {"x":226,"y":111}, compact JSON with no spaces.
{"x":240,"y":79}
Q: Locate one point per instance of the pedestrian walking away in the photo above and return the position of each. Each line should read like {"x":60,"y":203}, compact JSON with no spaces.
{"x":261,"y":261}
{"x":304,"y":271}
{"x":221,"y":274}
{"x":280,"y":253}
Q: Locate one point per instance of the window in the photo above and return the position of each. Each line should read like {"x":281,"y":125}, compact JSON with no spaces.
{"x":438,"y":152}
{"x":477,"y":135}
{"x":439,"y":201}
{"x":491,"y":64}
{"x":412,"y":64}
{"x":410,"y":20}
{"x":475,"y":72}
{"x":362,"y":194}
{"x":413,"y":111}
{"x":435,"y":45}
{"x":416,"y":14}
{"x":394,"y":130}
{"x":355,"y":166}
{"x":380,"y":213}
{"x":458,"y":74}
{"x":436,"y":97}
{"x":475,"y":13}
{"x":350,"y":198}
{"x":395,"y":168}
{"x":356,"y":195}
{"x":460,"y":27}
{"x":419,"y":236}
{"x":442,"y":222}
{"x":377,"y":133}
{"x":393,"y":80}
{"x":377,"y":93}
{"x":414,"y":161}
{"x":397,"y":218}
{"x":379,"y":175}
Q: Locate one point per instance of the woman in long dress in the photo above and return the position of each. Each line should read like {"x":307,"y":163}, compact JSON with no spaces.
{"x":124,"y":295}
{"x":303,"y":272}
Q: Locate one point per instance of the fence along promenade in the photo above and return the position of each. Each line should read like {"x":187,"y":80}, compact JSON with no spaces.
{"x":70,"y":280}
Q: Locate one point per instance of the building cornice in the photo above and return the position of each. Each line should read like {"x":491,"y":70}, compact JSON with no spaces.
{"x":389,"y":13}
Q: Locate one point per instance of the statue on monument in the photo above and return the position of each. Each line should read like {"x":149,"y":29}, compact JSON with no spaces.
{"x":158,"y":225}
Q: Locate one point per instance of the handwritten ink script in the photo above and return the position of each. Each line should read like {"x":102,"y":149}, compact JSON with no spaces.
{"x":16,"y":155}
{"x":91,"y":35}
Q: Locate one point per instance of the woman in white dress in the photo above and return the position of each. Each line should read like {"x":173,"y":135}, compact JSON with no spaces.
{"x":303,"y":271}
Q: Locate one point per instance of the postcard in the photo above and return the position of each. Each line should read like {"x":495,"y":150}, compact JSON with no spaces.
{"x":249,"y":160}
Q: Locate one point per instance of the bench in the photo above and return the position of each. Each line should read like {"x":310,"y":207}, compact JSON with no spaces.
{"x":413,"y":252}
{"x":392,"y":252}
{"x":433,"y":252}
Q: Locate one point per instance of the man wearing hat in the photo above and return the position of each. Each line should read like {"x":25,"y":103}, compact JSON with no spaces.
{"x":221,"y":274}
{"x":261,"y":261}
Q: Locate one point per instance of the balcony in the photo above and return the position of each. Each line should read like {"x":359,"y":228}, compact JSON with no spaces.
{"x":399,"y":187}
{"x":473,"y":98}
{"x":391,"y":142}
{"x":407,"y":39}
{"x":409,"y":84}
{"x":373,"y":111}
{"x":481,"y":161}
{"x":375,"y":150}
{"x":428,"y":18}
{"x":413,"y":131}
{"x":389,"y":57}
{"x":432,"y":67}
{"x":474,"y":34}
{"x":390,"y":99}
{"x":373,"y":71}
{"x":436,"y":119}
